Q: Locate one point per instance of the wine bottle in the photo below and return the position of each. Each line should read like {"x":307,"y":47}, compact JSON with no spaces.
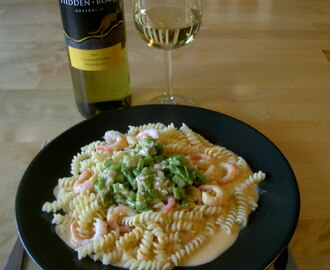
{"x":95,"y":35}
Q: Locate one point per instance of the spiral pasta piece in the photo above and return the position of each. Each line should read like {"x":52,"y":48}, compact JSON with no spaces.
{"x":63,"y":220}
{"x":61,"y":203}
{"x":145,"y":217}
{"x":66,"y":183}
{"x":207,"y":210}
{"x":130,"y":238}
{"x":181,"y":225}
{"x":253,"y":180}
{"x":187,"y":215}
{"x":220,"y":153}
{"x":230,"y":220}
{"x":187,"y":250}
{"x":98,"y":245}
{"x":157,"y":230}
{"x":75,"y":164}
{"x":173,"y":237}
{"x":242,"y":164}
{"x":107,"y":258}
{"x":89,"y":148}
{"x":243,"y":208}
{"x":210,"y":226}
{"x":180,"y":148}
{"x":134,"y":264}
{"x":194,"y":138}
{"x":144,"y":250}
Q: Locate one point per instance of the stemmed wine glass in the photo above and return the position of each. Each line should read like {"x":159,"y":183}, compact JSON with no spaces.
{"x":168,"y":25}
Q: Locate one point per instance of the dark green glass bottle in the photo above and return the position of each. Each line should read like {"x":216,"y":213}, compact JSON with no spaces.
{"x":95,"y":36}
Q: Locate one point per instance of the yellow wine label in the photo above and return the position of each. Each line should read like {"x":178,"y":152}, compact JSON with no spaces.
{"x":95,"y":60}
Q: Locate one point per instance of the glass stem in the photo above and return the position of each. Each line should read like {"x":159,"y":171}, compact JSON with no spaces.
{"x":168,"y":73}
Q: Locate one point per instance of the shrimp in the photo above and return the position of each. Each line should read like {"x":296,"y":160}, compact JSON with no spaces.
{"x":212,"y":195}
{"x":115,"y":214}
{"x":115,"y":141}
{"x":100,"y":229}
{"x":232,"y":172}
{"x":150,"y":132}
{"x":202,"y":161}
{"x":85,"y":181}
{"x":170,"y":204}
{"x":212,"y":173}
{"x":75,"y":238}
{"x":213,"y":170}
{"x":198,"y":156}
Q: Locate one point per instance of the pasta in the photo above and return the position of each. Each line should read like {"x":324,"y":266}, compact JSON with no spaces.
{"x":150,"y":198}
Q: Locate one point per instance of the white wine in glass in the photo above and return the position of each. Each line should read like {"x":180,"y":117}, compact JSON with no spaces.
{"x":168,"y":25}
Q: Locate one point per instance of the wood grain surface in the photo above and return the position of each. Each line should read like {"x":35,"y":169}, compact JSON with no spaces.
{"x":266,"y":63}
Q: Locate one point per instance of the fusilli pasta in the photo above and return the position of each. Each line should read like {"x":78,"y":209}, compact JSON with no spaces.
{"x":152,"y":197}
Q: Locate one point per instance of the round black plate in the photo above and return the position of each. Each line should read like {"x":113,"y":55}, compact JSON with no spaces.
{"x":270,"y":227}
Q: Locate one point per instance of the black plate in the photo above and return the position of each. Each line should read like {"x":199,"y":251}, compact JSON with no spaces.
{"x":270,"y":227}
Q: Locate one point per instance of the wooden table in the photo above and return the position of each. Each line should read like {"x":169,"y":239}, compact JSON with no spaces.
{"x":263,"y":62}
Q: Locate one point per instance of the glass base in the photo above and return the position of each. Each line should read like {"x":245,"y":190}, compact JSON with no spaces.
{"x":172,"y":100}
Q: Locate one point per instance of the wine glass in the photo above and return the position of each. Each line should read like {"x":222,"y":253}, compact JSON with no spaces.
{"x":168,"y":25}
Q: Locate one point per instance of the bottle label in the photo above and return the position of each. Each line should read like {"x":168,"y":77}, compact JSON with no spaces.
{"x":94,"y":60}
{"x":94,"y":32}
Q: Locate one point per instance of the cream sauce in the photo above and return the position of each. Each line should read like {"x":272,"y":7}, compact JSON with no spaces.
{"x":64,"y":233}
{"x":218,"y":244}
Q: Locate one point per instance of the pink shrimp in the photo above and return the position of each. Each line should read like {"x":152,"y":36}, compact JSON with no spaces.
{"x":75,"y":238}
{"x":170,"y":204}
{"x":85,"y":181}
{"x":125,"y":229}
{"x":151,"y":133}
{"x":115,"y":141}
{"x":202,"y":161}
{"x":115,"y":214}
{"x":213,"y":171}
{"x":232,"y":173}
{"x":100,"y":229}
{"x":212,"y":195}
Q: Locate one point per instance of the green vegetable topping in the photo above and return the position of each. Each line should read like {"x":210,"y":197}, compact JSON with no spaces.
{"x":144,"y":177}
